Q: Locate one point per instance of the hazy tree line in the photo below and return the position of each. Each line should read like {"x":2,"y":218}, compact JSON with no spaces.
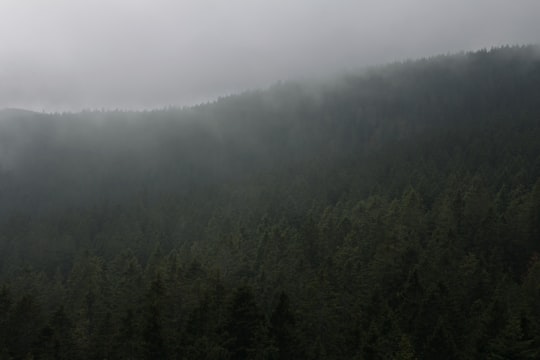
{"x":389,"y":214}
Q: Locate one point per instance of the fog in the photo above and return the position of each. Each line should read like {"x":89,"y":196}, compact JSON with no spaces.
{"x":131,"y":54}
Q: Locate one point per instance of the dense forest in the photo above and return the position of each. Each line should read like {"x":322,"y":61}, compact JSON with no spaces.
{"x":392,"y":213}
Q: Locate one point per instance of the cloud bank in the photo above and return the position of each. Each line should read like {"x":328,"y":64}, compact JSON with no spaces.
{"x":73,"y":54}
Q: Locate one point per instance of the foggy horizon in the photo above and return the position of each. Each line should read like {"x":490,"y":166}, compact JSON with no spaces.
{"x":137,"y":55}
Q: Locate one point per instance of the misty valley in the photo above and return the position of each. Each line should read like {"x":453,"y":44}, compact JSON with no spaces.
{"x":392,"y":213}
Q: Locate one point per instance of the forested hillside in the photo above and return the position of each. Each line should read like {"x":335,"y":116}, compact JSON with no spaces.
{"x":388,"y":214}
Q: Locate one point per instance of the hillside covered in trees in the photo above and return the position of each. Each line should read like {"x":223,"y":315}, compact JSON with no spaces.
{"x":388,"y":214}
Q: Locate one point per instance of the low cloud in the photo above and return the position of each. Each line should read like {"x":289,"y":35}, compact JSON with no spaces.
{"x":72,"y":55}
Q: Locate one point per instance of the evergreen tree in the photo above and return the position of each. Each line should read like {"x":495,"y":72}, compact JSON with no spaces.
{"x":245,"y":328}
{"x":282,"y":329}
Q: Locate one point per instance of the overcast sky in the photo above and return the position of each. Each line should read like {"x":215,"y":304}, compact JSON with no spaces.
{"x":84,"y":54}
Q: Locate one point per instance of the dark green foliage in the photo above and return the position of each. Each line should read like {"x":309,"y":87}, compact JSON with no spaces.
{"x":5,"y":307}
{"x":244,"y":327}
{"x":283,"y":329}
{"x":56,"y":340}
{"x":393,"y":214}
{"x":23,"y":330}
{"x":152,"y":329}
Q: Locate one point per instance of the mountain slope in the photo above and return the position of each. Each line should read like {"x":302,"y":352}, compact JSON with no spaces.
{"x":388,"y":214}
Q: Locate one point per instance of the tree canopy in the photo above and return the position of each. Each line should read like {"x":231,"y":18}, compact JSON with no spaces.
{"x":392,"y":213}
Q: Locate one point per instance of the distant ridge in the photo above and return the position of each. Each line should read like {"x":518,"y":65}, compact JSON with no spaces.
{"x":16,"y":112}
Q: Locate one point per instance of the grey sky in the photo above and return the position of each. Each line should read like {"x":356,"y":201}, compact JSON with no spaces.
{"x":77,"y":54}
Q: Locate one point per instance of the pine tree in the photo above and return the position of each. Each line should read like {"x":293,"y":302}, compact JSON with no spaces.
{"x":245,"y":326}
{"x":152,"y":332}
{"x":5,"y":307}
{"x":282,"y":328}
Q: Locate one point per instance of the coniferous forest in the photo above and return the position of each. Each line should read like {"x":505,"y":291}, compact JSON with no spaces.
{"x":392,"y":213}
